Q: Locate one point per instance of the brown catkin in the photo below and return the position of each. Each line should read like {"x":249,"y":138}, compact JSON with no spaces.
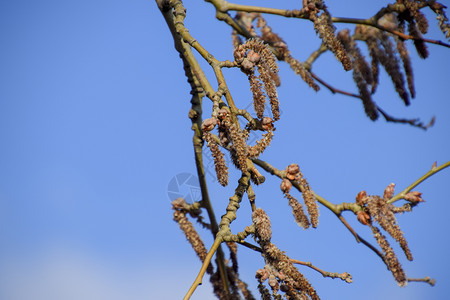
{"x":219,"y":159}
{"x":298,"y":212}
{"x":420,"y":45}
{"x":259,"y":99}
{"x":407,"y":66}
{"x":325,"y":29}
{"x":361,"y":73}
{"x":261,"y":145}
{"x":243,"y":287}
{"x":299,"y":69}
{"x":443,"y":23}
{"x":264,"y":292}
{"x":239,"y":147}
{"x":281,"y":262}
{"x":382,"y":213}
{"x":262,"y":225}
{"x":391,"y":259}
{"x":392,"y":66}
{"x":310,"y":201}
{"x":192,"y":236}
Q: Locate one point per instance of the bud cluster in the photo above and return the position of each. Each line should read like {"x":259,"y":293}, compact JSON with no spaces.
{"x":294,"y":174}
{"x":380,"y":210}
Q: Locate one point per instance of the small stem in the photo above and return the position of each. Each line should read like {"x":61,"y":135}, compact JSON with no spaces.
{"x":429,"y":280}
{"x":388,"y":118}
{"x":250,"y":246}
{"x":314,"y":56}
{"x":344,"y":276}
{"x":208,"y":258}
{"x":359,"y":239}
{"x":333,"y":89}
{"x":417,"y":182}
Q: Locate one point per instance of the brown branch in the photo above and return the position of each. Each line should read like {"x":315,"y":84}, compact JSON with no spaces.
{"x":334,"y":208}
{"x":223,"y":7}
{"x":332,"y":89}
{"x":359,"y":239}
{"x":413,"y":122}
{"x":371,"y":22}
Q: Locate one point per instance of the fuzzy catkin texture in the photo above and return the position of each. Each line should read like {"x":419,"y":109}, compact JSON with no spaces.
{"x":281,"y":262}
{"x":310,"y":201}
{"x":299,"y":69}
{"x":233,"y":255}
{"x":239,"y":147}
{"x":391,"y":259}
{"x":392,"y":66}
{"x":325,"y":29}
{"x":259,"y":98}
{"x":261,"y":145}
{"x":420,"y":45}
{"x":407,"y":66}
{"x":243,"y":287}
{"x":219,"y":159}
{"x":362,"y":74}
{"x":443,"y":23}
{"x":382,"y":213}
{"x":262,"y":225}
{"x":192,"y":236}
{"x":298,"y":212}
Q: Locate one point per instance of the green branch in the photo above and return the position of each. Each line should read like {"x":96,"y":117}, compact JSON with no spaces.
{"x":430,"y":173}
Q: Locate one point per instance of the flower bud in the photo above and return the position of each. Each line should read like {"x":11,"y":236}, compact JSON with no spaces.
{"x":209,"y":124}
{"x":360,"y":198}
{"x":247,"y":65}
{"x":222,"y":113}
{"x":253,"y":56}
{"x":291,"y":171}
{"x":266,"y":123}
{"x":414,"y":197}
{"x":389,"y":191}
{"x":363,"y":218}
{"x":262,"y":275}
{"x":286,"y":186}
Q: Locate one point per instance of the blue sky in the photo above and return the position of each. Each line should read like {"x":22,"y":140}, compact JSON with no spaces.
{"x":94,"y":126}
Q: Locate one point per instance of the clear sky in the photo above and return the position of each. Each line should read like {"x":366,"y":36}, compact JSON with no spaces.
{"x":94,"y":128}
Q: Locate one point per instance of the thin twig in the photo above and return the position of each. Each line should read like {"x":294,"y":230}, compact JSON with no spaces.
{"x":201,"y":273}
{"x":343,"y":276}
{"x":428,"y":174}
{"x":429,"y":280}
{"x":388,"y":118}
